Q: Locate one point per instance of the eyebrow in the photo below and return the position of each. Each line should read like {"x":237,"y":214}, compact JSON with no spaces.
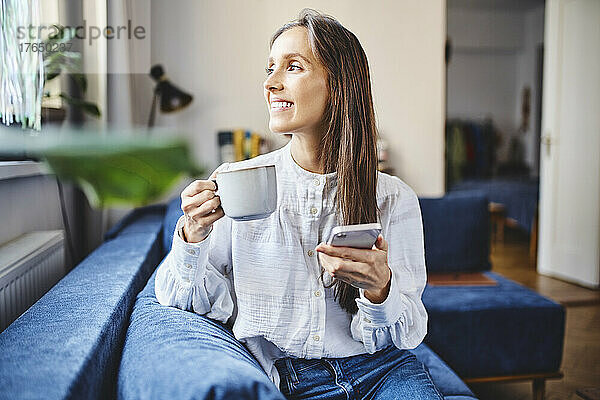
{"x":291,"y":55}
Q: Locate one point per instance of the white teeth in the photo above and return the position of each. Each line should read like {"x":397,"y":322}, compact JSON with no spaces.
{"x":281,"y":104}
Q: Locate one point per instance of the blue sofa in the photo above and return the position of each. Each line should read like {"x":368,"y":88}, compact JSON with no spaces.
{"x":100,"y":333}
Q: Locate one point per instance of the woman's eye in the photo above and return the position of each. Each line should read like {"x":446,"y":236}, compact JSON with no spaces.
{"x":295,"y":66}
{"x":269,"y":70}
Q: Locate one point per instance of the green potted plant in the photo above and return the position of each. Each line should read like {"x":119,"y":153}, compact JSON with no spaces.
{"x":59,"y":59}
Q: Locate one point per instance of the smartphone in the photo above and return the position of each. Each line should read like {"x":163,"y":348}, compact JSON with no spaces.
{"x":360,"y":236}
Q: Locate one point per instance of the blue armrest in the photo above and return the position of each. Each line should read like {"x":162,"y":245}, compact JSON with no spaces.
{"x":138,"y":220}
{"x":69,"y":343}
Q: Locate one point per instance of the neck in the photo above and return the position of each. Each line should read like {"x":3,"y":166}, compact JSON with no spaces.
{"x":305,"y":151}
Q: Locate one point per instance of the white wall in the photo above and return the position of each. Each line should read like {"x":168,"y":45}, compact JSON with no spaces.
{"x":494,"y":57}
{"x":217,"y":51}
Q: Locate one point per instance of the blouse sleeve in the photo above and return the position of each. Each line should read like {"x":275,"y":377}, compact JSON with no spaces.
{"x":198,"y":276}
{"x":401,"y":319}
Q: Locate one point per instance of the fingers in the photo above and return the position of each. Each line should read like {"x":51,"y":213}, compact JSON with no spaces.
{"x":201,"y":208}
{"x":205,"y":208}
{"x":381,"y":243}
{"x":354,"y":273}
{"x":189,"y":204}
{"x":196,"y":187}
{"x":337,"y":267}
{"x":349,"y":253}
{"x":212,"y":217}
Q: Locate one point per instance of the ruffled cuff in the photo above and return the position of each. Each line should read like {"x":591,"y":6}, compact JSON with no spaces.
{"x":188,"y":256}
{"x":382,"y":314}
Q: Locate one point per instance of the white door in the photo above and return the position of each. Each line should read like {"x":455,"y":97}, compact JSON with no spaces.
{"x":569,"y":216}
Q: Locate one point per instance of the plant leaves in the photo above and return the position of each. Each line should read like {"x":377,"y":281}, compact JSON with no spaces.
{"x":86,"y":106}
{"x":81,"y":81}
{"x":111,"y":170}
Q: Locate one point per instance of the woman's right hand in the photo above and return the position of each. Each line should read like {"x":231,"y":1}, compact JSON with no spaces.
{"x":201,"y":208}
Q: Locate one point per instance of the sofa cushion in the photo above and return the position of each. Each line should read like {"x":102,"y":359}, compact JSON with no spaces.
{"x":506,"y":329}
{"x":457,"y":233}
{"x":175,"y":354}
{"x":69,"y":343}
{"x":446,"y":380}
{"x":172,"y":215}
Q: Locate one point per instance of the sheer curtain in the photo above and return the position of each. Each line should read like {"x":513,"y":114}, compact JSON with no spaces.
{"x":21,"y":71}
{"x":128,"y":65}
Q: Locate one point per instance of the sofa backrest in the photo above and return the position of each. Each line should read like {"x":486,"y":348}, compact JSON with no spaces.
{"x":172,"y":214}
{"x":69,"y":343}
{"x":457,"y":232}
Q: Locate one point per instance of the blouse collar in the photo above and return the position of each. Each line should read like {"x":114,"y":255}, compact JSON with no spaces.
{"x":304,"y":175}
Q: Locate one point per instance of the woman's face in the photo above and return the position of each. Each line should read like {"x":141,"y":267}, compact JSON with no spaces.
{"x":296,"y":87}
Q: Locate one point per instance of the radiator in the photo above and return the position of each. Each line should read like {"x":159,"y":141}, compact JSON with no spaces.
{"x":29,"y":266}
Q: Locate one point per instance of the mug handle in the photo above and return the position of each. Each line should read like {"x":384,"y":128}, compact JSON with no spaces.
{"x":215,"y":182}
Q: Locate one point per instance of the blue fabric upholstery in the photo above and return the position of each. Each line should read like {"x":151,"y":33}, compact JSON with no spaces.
{"x":506,"y":329}
{"x":138,"y":220}
{"x":69,"y":343}
{"x":446,"y":380}
{"x":172,"y":214}
{"x":175,"y":354}
{"x":456,"y":230}
{"x":519,"y":196}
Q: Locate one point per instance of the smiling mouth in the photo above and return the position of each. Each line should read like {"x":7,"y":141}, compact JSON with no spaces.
{"x":281,"y":105}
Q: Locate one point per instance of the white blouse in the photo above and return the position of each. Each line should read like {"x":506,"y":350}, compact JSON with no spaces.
{"x":263,"y":277}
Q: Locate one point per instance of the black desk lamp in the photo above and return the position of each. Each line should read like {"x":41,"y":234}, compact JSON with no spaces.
{"x":171,"y":98}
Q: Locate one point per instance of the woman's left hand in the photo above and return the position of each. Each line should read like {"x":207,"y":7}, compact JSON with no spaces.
{"x":362,"y":268}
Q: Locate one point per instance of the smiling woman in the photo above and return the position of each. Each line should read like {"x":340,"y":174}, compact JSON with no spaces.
{"x":355,"y":322}
{"x":331,"y":117}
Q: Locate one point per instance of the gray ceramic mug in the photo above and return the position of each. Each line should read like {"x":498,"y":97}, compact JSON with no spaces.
{"x":248,"y":193}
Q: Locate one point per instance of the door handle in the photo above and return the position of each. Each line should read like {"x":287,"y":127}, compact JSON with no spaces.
{"x":547,"y":141}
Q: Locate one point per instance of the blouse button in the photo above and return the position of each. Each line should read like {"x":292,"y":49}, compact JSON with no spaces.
{"x":188,"y":266}
{"x":311,"y":253}
{"x":316,"y":182}
{"x":317,"y":293}
{"x":192,"y":251}
{"x":314,"y":210}
{"x":316,"y":338}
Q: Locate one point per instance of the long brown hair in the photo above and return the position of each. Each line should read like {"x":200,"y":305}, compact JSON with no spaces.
{"x":349,"y":143}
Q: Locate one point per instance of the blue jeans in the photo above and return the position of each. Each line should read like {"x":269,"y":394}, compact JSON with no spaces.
{"x":390,"y":373}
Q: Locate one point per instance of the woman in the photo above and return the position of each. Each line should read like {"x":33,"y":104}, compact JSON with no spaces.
{"x":323,"y":322}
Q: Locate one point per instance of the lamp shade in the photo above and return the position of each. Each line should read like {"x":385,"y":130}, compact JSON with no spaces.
{"x":171,"y":97}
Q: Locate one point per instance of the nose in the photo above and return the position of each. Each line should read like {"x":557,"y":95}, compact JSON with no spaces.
{"x":273,"y":82}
